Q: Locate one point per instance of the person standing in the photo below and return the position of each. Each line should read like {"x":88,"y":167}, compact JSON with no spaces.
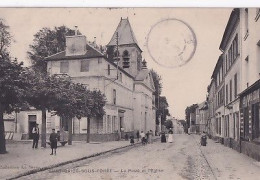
{"x":142,"y":135}
{"x":36,"y":135}
{"x":170,"y":136}
{"x":137,"y":135}
{"x":148,"y":136}
{"x":132,"y":141}
{"x":163,"y":137}
{"x":151,"y":137}
{"x":53,"y":140}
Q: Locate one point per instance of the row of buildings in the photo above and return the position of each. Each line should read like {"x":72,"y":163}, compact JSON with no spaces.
{"x":232,"y":106}
{"x":120,"y":73}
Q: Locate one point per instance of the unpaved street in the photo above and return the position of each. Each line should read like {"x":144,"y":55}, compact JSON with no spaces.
{"x":182,"y":159}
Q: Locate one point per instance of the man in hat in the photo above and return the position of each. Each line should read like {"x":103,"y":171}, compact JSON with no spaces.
{"x":35,"y":134}
{"x":53,"y":140}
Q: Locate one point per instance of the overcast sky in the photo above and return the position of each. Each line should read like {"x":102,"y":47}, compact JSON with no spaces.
{"x":182,"y":86}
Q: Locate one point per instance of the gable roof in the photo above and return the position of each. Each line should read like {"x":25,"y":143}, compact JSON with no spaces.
{"x":90,"y":53}
{"x":125,"y":34}
{"x":141,"y":76}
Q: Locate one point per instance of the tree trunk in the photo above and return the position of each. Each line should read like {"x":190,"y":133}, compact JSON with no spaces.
{"x":88,"y":129}
{"x":43,"y":134}
{"x":2,"y":133}
{"x":70,"y":131}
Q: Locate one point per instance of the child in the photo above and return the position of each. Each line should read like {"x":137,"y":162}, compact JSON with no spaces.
{"x":132,"y":140}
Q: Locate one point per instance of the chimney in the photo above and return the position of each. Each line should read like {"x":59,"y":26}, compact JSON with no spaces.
{"x":76,"y":45}
{"x":76,"y":30}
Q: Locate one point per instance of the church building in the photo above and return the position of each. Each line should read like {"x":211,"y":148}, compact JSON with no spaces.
{"x":120,"y":73}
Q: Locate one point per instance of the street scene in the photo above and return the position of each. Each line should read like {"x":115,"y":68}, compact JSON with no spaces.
{"x":129,"y":93}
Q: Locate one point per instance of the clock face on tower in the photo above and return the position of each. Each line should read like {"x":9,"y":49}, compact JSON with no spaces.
{"x":171,"y":43}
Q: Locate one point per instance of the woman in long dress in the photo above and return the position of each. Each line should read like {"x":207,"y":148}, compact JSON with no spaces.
{"x":163,"y":137}
{"x":170,"y":136}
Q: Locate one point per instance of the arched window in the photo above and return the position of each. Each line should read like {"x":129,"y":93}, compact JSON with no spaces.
{"x":126,"y":59}
{"x":125,"y":53}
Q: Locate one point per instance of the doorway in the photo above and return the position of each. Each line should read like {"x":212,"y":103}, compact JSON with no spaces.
{"x":32,"y":124}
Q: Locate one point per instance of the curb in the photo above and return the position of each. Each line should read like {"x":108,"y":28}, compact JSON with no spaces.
{"x":33,"y":171}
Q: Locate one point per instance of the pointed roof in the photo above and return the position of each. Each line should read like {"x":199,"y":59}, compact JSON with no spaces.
{"x":125,"y":34}
{"x":141,"y":77}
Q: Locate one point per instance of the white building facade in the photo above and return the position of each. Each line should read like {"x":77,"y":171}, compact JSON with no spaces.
{"x":128,"y":87}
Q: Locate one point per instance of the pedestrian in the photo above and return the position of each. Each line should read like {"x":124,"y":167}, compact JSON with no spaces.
{"x":203,"y":139}
{"x":36,"y":135}
{"x":148,"y":136}
{"x":170,"y":136}
{"x":142,"y":135}
{"x":163,"y":137}
{"x":132,"y":140}
{"x":126,"y":136}
{"x":137,"y":135}
{"x":53,"y":141}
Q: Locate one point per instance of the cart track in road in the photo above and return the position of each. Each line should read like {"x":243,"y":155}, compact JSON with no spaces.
{"x":90,"y":158}
{"x":199,"y":146}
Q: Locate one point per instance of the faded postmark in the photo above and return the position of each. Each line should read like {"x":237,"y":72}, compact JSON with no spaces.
{"x":171,"y":42}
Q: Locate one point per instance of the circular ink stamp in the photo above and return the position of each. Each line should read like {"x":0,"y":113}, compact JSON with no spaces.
{"x":171,"y":43}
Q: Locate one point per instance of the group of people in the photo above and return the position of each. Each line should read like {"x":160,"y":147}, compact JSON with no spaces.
{"x":53,"y":139}
{"x":146,"y":137}
{"x":170,"y":137}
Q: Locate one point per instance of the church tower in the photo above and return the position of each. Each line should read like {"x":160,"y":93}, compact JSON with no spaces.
{"x":123,"y":48}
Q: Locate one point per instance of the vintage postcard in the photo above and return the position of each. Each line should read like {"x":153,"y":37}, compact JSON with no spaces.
{"x":129,"y":93}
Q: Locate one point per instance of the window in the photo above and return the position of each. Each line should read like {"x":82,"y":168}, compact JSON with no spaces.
{"x":64,"y":67}
{"x":246,"y":24}
{"x":230,"y":86}
{"x":108,"y":69}
{"x":226,"y":63}
{"x":114,"y":96}
{"x":108,"y":124}
{"x":226,"y":94}
{"x":113,"y":123}
{"x":120,"y":77}
{"x":235,"y":85}
{"x":84,"y":66}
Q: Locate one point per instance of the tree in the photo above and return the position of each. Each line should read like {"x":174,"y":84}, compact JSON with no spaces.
{"x":67,"y":99}
{"x":163,"y":109}
{"x":158,"y":89}
{"x":47,"y":42}
{"x":168,"y":124}
{"x":5,"y":38}
{"x":188,"y":111}
{"x":12,"y":82}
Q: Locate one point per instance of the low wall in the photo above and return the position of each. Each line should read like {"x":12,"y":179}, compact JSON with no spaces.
{"x":96,"y":137}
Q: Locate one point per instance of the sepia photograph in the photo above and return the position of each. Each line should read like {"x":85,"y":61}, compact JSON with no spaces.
{"x":129,"y":93}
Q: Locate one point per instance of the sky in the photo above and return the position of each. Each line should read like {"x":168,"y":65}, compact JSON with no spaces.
{"x":182,"y":86}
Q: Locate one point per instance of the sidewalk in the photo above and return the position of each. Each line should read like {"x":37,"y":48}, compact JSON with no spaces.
{"x":227,"y":163}
{"x":21,"y":158}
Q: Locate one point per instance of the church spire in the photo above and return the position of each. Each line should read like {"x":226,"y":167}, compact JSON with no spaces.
{"x":125,"y":34}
